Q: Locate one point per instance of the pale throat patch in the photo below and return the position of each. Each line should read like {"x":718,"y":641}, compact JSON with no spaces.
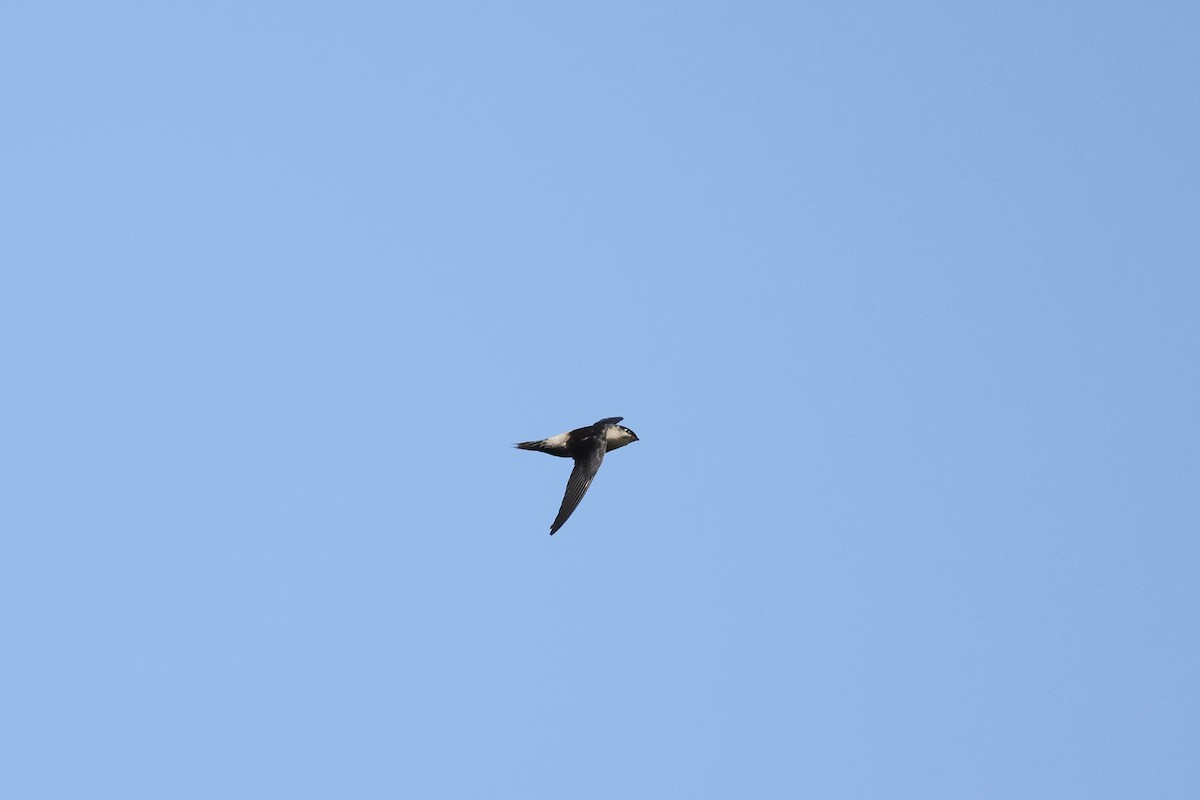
{"x":615,"y":437}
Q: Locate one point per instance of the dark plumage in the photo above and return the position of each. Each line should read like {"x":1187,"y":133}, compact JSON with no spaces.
{"x":587,"y":447}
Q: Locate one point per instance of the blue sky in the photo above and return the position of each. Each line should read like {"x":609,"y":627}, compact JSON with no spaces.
{"x":902,"y":301}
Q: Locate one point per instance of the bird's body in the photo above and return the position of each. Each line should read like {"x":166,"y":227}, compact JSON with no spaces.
{"x":587,"y":447}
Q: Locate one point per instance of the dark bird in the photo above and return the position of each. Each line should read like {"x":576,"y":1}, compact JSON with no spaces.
{"x":587,"y":446}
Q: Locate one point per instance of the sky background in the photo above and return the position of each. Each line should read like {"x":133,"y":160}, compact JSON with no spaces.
{"x":903,"y":301}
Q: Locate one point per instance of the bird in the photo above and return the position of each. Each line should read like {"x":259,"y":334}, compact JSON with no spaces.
{"x":587,"y":445}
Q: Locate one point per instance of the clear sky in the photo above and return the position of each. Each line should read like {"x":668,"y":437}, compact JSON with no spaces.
{"x":903,"y":301}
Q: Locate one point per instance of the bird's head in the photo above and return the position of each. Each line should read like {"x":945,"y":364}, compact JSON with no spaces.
{"x":619,"y":436}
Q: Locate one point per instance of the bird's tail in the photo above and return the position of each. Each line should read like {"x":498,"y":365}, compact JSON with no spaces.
{"x":541,"y":446}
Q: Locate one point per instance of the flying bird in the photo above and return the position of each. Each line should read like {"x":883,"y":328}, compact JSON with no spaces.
{"x":587,"y":446}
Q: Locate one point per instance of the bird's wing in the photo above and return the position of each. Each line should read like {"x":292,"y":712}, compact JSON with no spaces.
{"x":610,"y":420}
{"x":586,"y":467}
